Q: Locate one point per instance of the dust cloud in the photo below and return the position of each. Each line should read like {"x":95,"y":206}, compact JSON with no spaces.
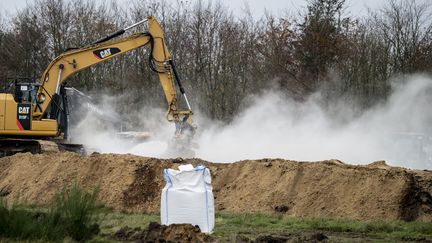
{"x":398,"y":131}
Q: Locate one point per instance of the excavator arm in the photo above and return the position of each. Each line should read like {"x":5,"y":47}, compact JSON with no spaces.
{"x":102,"y":50}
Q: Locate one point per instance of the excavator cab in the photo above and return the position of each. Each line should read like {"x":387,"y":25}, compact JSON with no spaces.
{"x":25,"y":92}
{"x":25,"y":95}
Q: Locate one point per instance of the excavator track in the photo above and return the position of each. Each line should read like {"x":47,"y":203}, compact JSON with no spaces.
{"x":11,"y":146}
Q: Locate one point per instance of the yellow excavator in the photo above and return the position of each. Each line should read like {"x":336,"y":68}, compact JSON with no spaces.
{"x":35,"y":118}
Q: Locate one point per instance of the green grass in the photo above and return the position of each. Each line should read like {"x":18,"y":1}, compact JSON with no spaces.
{"x":227,"y":225}
{"x":76,"y":210}
{"x":253,"y":225}
{"x":16,"y":222}
{"x":71,"y":214}
{"x":112,"y":221}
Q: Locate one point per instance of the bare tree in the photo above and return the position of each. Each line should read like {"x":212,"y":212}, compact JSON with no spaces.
{"x":407,"y":27}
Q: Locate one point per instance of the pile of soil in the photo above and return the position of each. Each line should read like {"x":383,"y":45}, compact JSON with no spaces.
{"x":176,"y":233}
{"x":162,"y":233}
{"x":325,"y":189}
{"x":293,"y":237}
{"x":128,"y":234}
{"x":313,"y":189}
{"x":125,"y":181}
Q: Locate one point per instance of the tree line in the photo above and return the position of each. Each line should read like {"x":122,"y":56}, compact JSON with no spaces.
{"x":225,"y":57}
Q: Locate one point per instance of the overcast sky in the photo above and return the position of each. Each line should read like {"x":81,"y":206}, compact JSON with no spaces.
{"x":257,"y":7}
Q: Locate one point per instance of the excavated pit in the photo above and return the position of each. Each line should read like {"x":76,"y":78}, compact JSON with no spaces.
{"x":311,"y":189}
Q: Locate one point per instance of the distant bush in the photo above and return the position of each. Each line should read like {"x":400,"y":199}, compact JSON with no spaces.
{"x":72,"y":213}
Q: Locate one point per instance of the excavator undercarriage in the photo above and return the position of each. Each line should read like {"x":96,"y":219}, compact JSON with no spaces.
{"x":11,"y":146}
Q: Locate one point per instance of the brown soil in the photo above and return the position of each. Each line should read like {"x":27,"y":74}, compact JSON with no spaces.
{"x":324,"y":189}
{"x":293,"y":237}
{"x":175,"y":233}
{"x":128,"y":234}
{"x":162,"y":233}
{"x":319,"y":189}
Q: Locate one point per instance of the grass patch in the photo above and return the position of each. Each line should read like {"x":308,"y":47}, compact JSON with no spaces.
{"x":70,"y":207}
{"x":112,"y":221}
{"x":71,"y":214}
{"x":16,"y":222}
{"x":253,"y":225}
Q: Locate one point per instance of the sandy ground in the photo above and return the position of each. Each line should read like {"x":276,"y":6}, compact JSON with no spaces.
{"x":313,"y":189}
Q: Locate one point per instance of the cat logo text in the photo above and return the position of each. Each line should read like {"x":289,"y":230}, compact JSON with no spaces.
{"x":105,"y":53}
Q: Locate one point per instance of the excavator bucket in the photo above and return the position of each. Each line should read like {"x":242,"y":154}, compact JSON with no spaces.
{"x":182,"y":145}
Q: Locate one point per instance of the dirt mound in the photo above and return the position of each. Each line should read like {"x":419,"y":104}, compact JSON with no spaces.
{"x":130,"y":234}
{"x":293,"y":237}
{"x":325,"y":189}
{"x":175,"y":233}
{"x":162,"y":233}
{"x":36,"y":178}
{"x":319,"y":189}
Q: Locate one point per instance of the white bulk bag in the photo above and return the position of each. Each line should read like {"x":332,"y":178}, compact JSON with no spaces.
{"x":187,"y":197}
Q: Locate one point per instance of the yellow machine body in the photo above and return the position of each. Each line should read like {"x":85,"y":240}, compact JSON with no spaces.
{"x":9,"y":126}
